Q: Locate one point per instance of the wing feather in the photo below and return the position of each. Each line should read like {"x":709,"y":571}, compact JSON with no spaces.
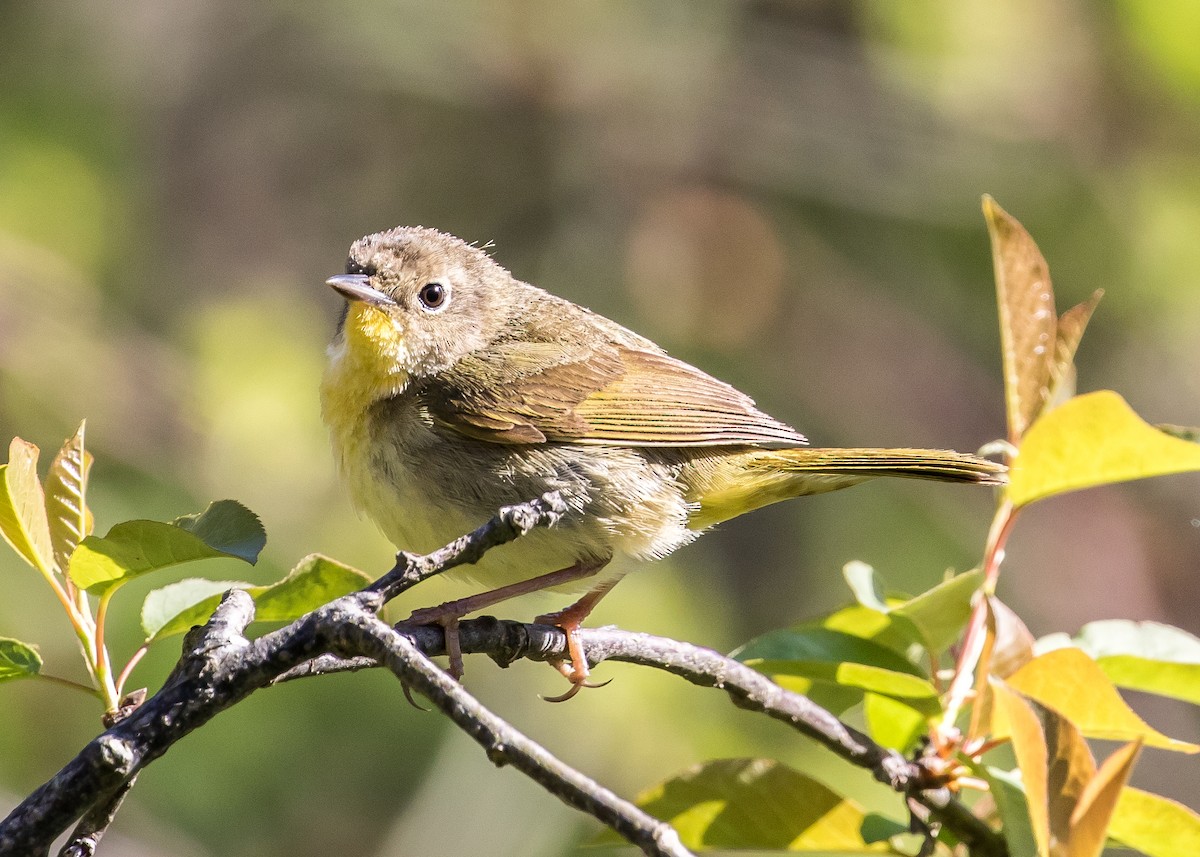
{"x":615,"y":395}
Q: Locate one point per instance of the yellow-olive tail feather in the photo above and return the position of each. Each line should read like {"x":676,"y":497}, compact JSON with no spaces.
{"x":756,"y":478}
{"x":943,"y":465}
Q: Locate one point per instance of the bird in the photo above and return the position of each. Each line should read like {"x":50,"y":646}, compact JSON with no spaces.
{"x":453,"y":389}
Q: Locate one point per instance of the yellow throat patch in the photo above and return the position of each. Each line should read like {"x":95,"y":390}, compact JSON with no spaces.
{"x":369,"y":362}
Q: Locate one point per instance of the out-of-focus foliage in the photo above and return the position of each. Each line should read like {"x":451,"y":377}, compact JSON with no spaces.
{"x":784,"y":193}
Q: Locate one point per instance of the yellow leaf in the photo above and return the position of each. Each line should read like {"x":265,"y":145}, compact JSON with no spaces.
{"x":1028,"y":322}
{"x":1154,"y":825}
{"x":1094,"y":439}
{"x":1029,"y":745}
{"x":1071,"y":683}
{"x":66,"y":498}
{"x":1094,"y":810}
{"x":23,"y":507}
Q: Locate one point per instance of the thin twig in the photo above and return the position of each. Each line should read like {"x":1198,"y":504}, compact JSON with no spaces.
{"x":509,"y":524}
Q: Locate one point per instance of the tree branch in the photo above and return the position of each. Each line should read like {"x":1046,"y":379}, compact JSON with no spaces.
{"x":507,"y":641}
{"x":220,"y":667}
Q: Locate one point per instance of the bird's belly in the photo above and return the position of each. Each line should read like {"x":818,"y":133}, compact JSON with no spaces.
{"x":424,"y":490}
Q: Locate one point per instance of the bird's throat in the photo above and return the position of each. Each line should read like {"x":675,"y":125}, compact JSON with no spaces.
{"x":368,"y":362}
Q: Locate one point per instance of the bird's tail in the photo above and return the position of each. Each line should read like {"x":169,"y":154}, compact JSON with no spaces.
{"x":760,"y":477}
{"x":943,"y":465}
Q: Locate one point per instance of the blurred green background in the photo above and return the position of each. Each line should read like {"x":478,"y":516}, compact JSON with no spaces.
{"x":785,"y":193}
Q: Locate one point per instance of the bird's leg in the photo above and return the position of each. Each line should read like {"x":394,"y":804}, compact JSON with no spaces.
{"x":570,"y":619}
{"x":448,"y":614}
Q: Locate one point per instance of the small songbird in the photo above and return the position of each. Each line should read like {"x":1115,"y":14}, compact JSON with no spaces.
{"x":454,"y":389}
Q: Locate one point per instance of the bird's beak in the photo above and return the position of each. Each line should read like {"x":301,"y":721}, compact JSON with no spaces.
{"x":355,"y":287}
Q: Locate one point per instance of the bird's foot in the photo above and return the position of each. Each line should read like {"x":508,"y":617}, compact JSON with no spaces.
{"x":448,"y":619}
{"x":576,"y":669}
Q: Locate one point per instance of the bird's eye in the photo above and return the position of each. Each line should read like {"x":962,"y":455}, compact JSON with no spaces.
{"x":434,"y":296}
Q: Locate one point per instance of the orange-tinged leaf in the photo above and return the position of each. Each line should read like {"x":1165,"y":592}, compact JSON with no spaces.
{"x":1071,"y":325}
{"x":1094,"y":439}
{"x":1007,"y":647}
{"x":1070,"y":767}
{"x":1055,"y":762}
{"x":1013,"y":647}
{"x":1021,"y":724}
{"x":66,"y":498}
{"x":1094,"y":810}
{"x":1027,"y":317}
{"x":1075,"y":686}
{"x":1155,"y":825}
{"x":23,"y":507}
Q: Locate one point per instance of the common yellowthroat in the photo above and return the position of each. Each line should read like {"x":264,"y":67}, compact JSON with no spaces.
{"x":453,"y":389}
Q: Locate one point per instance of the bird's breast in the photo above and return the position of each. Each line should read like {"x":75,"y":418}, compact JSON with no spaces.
{"x":425,"y":485}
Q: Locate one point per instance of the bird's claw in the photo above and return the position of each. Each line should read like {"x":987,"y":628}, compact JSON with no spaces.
{"x":449,"y":623}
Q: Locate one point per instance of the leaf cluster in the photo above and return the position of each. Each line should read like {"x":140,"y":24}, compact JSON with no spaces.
{"x":50,"y":526}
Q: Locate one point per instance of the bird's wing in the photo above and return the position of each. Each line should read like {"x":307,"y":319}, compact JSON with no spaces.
{"x":525,"y":393}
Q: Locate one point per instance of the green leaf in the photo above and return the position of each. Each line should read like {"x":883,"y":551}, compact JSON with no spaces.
{"x":916,"y":693}
{"x":1028,"y":323}
{"x":1145,"y":656}
{"x":175,"y":608}
{"x":819,"y":655}
{"x":866,"y":585}
{"x":1155,"y":825}
{"x":941,"y":613}
{"x":18,"y":660}
{"x":813,"y":643}
{"x":1095,"y":439}
{"x":1151,"y":640}
{"x":66,"y":499}
{"x":229,"y":527}
{"x":935,"y":619}
{"x":134,"y":548}
{"x":23,"y":507}
{"x":1178,"y":681}
{"x":314,"y":581}
{"x":757,"y":803}
{"x":893,"y":723}
{"x":1008,"y":790}
{"x":869,"y":624}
